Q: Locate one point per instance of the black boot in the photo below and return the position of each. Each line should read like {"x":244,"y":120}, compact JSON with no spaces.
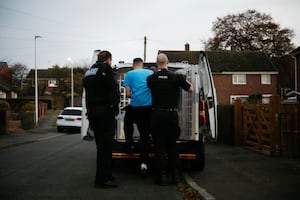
{"x":176,"y":176}
{"x":162,"y":179}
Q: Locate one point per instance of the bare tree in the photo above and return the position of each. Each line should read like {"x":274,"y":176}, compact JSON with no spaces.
{"x":250,"y":31}
{"x":19,"y":72}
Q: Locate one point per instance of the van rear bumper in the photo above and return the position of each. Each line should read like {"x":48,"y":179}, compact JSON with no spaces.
{"x":186,"y":149}
{"x":118,"y":155}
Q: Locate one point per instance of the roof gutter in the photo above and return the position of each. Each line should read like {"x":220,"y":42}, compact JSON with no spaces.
{"x":252,"y":73}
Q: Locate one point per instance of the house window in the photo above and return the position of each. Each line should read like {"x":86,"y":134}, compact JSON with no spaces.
{"x":239,"y":79}
{"x":266,"y":98}
{"x":14,"y":95}
{"x":52,"y":83}
{"x":265,"y":79}
{"x":244,"y":98}
{"x":2,"y":95}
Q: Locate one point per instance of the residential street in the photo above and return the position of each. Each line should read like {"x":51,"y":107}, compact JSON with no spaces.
{"x":43,"y":164}
{"x":64,"y":168}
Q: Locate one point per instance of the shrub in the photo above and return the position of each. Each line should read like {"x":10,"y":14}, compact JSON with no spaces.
{"x":27,"y":119}
{"x":27,"y":107}
{"x":4,"y":105}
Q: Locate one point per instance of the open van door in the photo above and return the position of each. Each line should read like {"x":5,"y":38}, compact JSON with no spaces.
{"x":209,"y":91}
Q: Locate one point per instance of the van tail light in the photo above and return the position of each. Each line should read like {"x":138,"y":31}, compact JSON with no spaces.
{"x":59,"y":117}
{"x":202,"y":115}
{"x":78,"y":118}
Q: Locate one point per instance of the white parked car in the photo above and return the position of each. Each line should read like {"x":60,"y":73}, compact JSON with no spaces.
{"x":69,"y":119}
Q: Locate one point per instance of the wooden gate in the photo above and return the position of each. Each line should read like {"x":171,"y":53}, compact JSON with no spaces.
{"x":257,"y":126}
{"x":257,"y":129}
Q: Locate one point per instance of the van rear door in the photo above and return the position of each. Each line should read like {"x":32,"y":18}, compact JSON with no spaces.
{"x":209,"y":90}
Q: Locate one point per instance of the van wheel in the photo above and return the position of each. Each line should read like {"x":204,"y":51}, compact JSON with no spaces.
{"x":199,"y":162}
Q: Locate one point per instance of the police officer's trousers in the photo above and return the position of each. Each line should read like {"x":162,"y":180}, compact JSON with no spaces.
{"x":165,"y":131}
{"x":102,"y":121}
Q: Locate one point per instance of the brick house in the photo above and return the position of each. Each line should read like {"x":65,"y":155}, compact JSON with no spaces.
{"x":6,"y":91}
{"x":53,"y":83}
{"x":235,"y":74}
{"x":49,"y":80}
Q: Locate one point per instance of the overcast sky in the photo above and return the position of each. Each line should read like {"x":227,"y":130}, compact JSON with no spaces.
{"x":75,"y":28}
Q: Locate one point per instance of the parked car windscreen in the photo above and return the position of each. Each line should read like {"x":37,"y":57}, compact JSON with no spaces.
{"x":71,"y":112}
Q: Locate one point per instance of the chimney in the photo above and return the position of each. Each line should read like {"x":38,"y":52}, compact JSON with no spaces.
{"x":187,"y":47}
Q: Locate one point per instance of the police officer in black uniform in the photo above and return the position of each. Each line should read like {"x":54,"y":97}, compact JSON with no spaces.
{"x":102,"y":100}
{"x":165,"y":87}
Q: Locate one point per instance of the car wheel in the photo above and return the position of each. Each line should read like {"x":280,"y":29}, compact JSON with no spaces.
{"x":59,"y":129}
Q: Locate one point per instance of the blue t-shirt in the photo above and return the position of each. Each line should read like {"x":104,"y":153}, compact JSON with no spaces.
{"x":136,"y":80}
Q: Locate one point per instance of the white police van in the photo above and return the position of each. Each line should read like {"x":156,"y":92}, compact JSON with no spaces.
{"x":197,"y":112}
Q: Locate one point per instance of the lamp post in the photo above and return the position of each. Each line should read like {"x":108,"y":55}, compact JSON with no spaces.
{"x":72,"y":82}
{"x":36,"y":82}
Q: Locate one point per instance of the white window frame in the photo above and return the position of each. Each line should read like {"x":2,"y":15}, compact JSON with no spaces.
{"x":265,"y":79}
{"x":239,"y":79}
{"x":266,"y":98}
{"x":14,"y":95}
{"x":234,"y":97}
{"x":2,"y":95}
{"x":52,"y":83}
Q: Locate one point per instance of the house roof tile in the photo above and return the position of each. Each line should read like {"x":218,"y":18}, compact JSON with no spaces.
{"x":295,"y":51}
{"x":226,"y":61}
{"x":4,"y":85}
{"x":49,"y":73}
{"x":180,"y":56}
{"x":1,"y":64}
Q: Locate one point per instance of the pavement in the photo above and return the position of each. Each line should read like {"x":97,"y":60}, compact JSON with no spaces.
{"x":37,"y":133}
{"x":236,"y":172}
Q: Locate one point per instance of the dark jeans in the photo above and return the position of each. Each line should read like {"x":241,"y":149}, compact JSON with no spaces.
{"x":102,"y":121}
{"x":141,"y":116}
{"x":165,"y":131}
{"x":128,"y":125}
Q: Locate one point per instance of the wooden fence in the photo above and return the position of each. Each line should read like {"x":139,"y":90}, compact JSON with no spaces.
{"x":268,"y":128}
{"x":289,"y":128}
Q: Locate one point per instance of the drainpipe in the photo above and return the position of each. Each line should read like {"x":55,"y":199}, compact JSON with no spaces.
{"x":296,"y":76}
{"x":296,"y":82}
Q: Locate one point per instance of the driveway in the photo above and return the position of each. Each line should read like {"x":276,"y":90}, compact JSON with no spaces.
{"x":234,"y":172}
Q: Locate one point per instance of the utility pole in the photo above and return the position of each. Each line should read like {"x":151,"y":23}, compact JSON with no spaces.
{"x":145,"y":43}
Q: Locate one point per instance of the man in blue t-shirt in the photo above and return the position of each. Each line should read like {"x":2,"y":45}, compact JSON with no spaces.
{"x":139,"y":110}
